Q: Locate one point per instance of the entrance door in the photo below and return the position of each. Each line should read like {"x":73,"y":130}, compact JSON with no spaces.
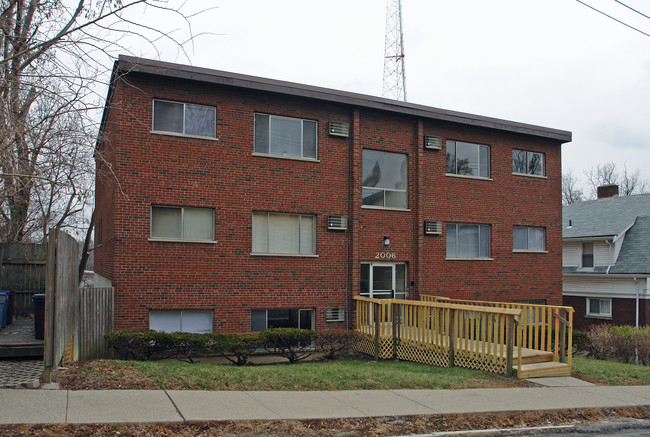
{"x":383,"y":280}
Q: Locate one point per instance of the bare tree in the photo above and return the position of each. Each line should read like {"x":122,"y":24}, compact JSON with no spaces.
{"x":570,"y":191}
{"x":54,"y":54}
{"x":629,"y":182}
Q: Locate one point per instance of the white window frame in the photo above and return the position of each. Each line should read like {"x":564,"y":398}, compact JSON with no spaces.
{"x":171,"y":132}
{"x":528,"y":155}
{"x":528,"y":231}
{"x":454,"y":144}
{"x":386,"y":190}
{"x":182,"y":239}
{"x":309,"y":310}
{"x":302,"y":130}
{"x":208,"y":314}
{"x":598,"y":314}
{"x":312,"y":253}
{"x":481,"y":228}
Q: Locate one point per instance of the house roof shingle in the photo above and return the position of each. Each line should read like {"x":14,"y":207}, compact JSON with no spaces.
{"x":635,"y":252}
{"x":603,"y":217}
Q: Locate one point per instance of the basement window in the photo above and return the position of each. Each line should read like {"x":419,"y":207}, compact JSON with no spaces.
{"x":195,"y":321}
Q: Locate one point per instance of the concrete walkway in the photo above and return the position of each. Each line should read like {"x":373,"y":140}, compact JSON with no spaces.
{"x":141,"y":406}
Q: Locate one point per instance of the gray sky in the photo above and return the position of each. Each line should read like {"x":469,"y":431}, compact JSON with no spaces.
{"x":552,"y":63}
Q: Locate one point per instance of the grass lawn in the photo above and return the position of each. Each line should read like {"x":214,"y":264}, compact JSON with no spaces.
{"x":610,"y":372}
{"x":338,"y":375}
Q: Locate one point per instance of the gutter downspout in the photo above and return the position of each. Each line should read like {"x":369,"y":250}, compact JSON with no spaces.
{"x":636,"y":287}
{"x":348,"y":273}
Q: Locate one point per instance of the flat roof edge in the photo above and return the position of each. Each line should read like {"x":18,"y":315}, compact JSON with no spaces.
{"x":127,"y":64}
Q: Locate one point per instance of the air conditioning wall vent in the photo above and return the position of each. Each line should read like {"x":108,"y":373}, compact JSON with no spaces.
{"x":335,"y":314}
{"x":432,"y":143}
{"x":432,"y":228}
{"x":337,"y":222}
{"x":339,"y":129}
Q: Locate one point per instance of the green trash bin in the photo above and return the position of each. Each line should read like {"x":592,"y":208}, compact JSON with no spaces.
{"x":38,"y":302}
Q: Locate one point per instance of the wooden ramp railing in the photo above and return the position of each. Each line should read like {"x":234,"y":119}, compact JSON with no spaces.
{"x":540,"y":327}
{"x":439,"y":333}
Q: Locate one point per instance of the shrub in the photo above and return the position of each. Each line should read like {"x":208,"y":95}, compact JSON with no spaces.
{"x":332,"y":342}
{"x":186,"y":345}
{"x":291,"y":343}
{"x":580,"y":340}
{"x":238,"y":345}
{"x":601,"y":342}
{"x":620,"y":343}
{"x":139,"y":344}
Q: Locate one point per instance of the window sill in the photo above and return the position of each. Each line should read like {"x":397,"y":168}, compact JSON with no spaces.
{"x":526,"y":175}
{"x":292,"y":255}
{"x":176,"y":134}
{"x":469,"y":259}
{"x":599,"y":317}
{"x":293,"y":158}
{"x":165,"y":240}
{"x":528,"y":251}
{"x":479,"y":178}
{"x":385,"y":208}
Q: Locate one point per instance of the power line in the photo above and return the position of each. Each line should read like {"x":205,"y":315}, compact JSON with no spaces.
{"x":615,"y":19}
{"x":631,"y":8}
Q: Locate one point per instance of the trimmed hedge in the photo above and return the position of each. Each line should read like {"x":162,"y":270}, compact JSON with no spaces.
{"x":239,"y":346}
{"x":333,"y":342}
{"x":291,"y":343}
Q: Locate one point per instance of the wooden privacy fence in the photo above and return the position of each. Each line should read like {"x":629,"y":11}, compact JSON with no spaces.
{"x":440,"y":334}
{"x":22,"y":270}
{"x":95,"y":320}
{"x":540,"y":327}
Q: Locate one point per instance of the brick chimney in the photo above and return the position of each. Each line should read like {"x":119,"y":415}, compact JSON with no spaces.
{"x":605,"y":191}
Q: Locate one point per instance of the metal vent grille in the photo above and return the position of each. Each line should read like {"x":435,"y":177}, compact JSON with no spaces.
{"x":432,"y":228}
{"x":337,"y":222}
{"x":434,"y":143}
{"x":335,"y":314}
{"x":339,"y":129}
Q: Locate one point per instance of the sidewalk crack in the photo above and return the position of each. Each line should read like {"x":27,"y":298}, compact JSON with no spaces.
{"x":175,"y":406}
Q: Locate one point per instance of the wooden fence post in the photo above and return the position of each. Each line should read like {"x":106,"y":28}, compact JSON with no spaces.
{"x":394,"y":320}
{"x":452,"y":336}
{"x":377,"y":320}
{"x":510,"y":348}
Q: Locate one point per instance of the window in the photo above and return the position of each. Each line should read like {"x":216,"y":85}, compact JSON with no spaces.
{"x":468,"y":159}
{"x":284,"y":136}
{"x":184,"y":118}
{"x":284,"y":234}
{"x":468,"y":241}
{"x":599,"y":307}
{"x":587,"y":255}
{"x":529,"y":238}
{"x":197,"y":321}
{"x":528,"y":162}
{"x":182,"y":223}
{"x":385,"y":179}
{"x":282,"y":318}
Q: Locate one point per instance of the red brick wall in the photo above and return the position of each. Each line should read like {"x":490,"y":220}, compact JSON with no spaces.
{"x":154,"y":169}
{"x":623,"y":312}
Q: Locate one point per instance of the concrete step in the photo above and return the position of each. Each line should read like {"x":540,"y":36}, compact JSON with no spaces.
{"x":540,"y":370}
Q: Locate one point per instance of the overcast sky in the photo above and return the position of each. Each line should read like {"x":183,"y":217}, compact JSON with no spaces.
{"x":552,"y":63}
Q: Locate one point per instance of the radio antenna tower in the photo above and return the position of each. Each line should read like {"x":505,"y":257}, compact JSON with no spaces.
{"x":394,"y":85}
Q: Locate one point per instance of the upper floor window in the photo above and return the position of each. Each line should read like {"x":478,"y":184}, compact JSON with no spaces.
{"x":184,"y":118}
{"x":385,"y":179}
{"x":182,"y":223}
{"x":529,"y":238}
{"x":532,"y":163}
{"x":284,"y":136}
{"x":587,"y":255}
{"x":292,"y":234}
{"x":468,"y":159}
{"x":468,"y":240}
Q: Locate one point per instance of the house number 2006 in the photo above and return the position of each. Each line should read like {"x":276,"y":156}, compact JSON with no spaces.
{"x":385,"y":255}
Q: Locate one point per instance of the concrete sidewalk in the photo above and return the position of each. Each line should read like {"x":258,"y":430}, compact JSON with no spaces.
{"x":141,"y":406}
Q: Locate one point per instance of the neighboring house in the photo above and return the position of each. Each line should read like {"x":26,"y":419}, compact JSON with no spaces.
{"x":228,"y":203}
{"x":607,"y":259}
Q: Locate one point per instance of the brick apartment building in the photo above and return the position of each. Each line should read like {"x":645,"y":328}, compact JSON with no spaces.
{"x":229,"y":203}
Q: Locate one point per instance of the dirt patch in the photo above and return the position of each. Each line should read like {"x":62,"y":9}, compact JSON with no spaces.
{"x":380,"y":426}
